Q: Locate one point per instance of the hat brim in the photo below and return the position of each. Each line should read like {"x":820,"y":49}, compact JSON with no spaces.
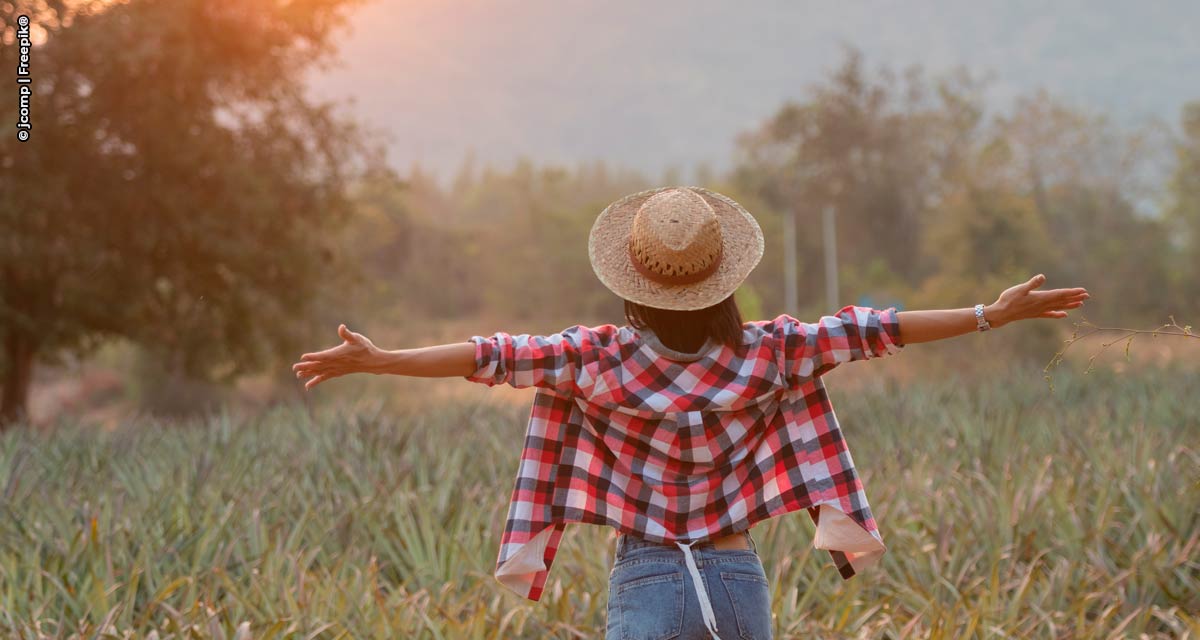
{"x":742,"y":249}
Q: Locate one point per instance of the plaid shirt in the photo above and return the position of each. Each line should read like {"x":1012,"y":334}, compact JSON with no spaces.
{"x":627,"y":433}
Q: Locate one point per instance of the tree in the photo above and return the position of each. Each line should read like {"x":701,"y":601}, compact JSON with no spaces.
{"x":177,"y":186}
{"x":1084,"y":176}
{"x":1183,"y":211}
{"x":875,"y":149}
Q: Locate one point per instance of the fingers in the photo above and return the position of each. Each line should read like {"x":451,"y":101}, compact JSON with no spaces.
{"x":1033,"y":283}
{"x":319,"y":355}
{"x":1066,"y":301}
{"x":306,"y":368}
{"x":317,"y":377}
{"x":1047,"y":299}
{"x":1058,"y":298}
{"x":321,"y":364}
{"x":346,"y":334}
{"x":1056,"y":308}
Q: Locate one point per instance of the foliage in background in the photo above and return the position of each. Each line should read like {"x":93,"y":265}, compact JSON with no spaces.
{"x":873,"y":148}
{"x":1183,"y":210}
{"x":1007,"y":510}
{"x":1171,"y":329}
{"x":937,"y":206}
{"x":177,"y":189}
{"x":201,"y":206}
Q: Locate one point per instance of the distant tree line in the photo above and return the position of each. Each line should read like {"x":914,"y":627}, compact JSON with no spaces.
{"x":938,"y":204}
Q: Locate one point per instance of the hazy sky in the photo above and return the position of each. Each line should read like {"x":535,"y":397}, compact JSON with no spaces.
{"x":653,"y":84}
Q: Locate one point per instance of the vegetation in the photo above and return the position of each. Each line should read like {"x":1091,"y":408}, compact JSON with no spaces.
{"x":177,"y":194}
{"x":186,"y":198}
{"x":941,"y":201}
{"x":1008,"y":511}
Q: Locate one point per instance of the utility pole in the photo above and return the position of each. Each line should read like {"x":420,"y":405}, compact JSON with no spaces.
{"x":830,"y":240}
{"x":791,"y":303}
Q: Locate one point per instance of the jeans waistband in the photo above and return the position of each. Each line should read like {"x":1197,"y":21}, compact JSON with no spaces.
{"x":629,"y":542}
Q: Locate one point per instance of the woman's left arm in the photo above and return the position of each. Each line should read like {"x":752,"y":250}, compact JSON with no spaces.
{"x":1018,"y":302}
{"x":357,"y":354}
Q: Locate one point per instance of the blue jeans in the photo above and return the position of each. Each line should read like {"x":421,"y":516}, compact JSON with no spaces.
{"x":652,"y":595}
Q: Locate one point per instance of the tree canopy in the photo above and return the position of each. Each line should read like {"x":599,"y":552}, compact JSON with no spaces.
{"x":177,"y":186}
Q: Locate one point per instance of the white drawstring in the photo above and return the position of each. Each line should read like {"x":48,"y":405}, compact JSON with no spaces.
{"x":706,"y":611}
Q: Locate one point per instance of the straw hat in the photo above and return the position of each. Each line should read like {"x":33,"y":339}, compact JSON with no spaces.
{"x":674,"y":247}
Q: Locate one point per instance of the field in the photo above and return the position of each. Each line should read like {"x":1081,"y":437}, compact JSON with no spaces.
{"x":1009,"y":511}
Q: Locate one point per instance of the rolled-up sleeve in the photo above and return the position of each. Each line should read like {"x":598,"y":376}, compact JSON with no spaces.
{"x":554,"y":362}
{"x":811,"y":349}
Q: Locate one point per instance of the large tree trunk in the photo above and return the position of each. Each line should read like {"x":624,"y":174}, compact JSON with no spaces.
{"x":19,"y":350}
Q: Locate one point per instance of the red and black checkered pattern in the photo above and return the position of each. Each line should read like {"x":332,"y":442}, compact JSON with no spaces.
{"x":621,"y":435}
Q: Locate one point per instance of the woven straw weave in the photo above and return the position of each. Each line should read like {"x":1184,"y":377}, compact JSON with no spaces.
{"x":681,"y":231}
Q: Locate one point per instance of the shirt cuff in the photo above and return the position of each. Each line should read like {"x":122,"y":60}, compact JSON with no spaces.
{"x":891,"y":327}
{"x":484,"y":347}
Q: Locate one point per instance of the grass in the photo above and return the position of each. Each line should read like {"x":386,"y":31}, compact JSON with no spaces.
{"x":1008,"y":511}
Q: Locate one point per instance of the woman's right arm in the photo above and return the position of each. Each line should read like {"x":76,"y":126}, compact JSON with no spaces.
{"x":521,"y":360}
{"x":1019,"y":302}
{"x":357,"y":354}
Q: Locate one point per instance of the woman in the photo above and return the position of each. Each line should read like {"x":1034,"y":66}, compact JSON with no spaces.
{"x":684,"y":428}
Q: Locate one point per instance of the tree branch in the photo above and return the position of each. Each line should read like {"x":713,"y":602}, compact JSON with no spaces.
{"x":1171,"y":328}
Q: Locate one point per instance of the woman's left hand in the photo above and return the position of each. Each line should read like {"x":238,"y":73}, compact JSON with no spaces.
{"x":357,"y":354}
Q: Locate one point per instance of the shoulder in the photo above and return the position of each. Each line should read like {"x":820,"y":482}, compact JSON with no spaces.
{"x":599,"y":336}
{"x":777,"y":327}
{"x":784,"y":325}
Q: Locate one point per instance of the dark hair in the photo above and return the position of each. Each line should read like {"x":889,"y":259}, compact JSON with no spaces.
{"x":687,"y":330}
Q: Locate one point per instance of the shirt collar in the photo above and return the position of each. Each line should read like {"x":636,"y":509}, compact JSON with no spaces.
{"x":652,"y":341}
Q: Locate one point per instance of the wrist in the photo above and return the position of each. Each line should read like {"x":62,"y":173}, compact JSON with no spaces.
{"x":384,"y":361}
{"x":995,"y":315}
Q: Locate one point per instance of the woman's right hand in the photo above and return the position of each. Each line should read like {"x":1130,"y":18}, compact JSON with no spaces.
{"x":1022,"y":302}
{"x":357,"y":354}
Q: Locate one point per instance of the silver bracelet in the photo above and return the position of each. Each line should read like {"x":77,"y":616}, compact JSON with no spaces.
{"x":980,"y":321}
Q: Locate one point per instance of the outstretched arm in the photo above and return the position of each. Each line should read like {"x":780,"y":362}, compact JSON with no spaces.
{"x":357,"y":354}
{"x":811,"y":349}
{"x":1019,"y":302}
